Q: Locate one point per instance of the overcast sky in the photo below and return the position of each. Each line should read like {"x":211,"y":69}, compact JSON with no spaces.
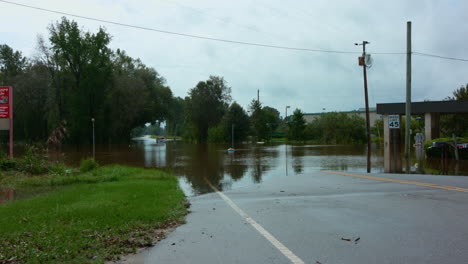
{"x":310,"y":81}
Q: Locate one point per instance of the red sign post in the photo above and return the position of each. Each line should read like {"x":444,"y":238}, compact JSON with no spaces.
{"x":6,"y":112}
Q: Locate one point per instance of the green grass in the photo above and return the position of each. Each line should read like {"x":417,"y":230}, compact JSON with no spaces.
{"x":91,"y":217}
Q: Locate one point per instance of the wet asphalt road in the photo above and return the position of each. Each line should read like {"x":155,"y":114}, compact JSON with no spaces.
{"x":310,"y":214}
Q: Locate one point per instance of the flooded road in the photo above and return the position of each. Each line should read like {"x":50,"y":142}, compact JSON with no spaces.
{"x":249,"y":164}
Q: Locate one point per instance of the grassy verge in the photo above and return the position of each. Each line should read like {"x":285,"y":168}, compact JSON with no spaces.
{"x":90,"y":217}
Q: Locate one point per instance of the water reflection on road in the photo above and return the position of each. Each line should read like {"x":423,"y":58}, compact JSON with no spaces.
{"x":249,"y":164}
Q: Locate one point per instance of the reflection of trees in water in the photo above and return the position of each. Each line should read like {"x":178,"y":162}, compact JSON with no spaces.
{"x":337,"y":165}
{"x":264,"y":158}
{"x":297,"y":154}
{"x":197,"y":161}
{"x":234,"y":166}
{"x":200,"y":161}
{"x":340,"y":150}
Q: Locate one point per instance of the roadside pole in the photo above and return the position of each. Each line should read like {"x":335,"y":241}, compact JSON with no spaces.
{"x":408,"y":97}
{"x":11,"y":121}
{"x":364,"y":67}
{"x":94,"y":145}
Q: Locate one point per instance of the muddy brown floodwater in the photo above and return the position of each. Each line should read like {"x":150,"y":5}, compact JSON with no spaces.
{"x":249,"y":164}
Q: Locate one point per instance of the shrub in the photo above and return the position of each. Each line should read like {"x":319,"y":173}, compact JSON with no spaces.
{"x":436,"y":152}
{"x":6,"y":163}
{"x":88,"y":165}
{"x":33,"y":162}
{"x":57,"y":169}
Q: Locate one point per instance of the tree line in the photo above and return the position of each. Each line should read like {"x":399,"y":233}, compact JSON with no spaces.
{"x":75,"y":78}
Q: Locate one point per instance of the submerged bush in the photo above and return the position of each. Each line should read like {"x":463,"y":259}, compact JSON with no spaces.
{"x":88,"y":165}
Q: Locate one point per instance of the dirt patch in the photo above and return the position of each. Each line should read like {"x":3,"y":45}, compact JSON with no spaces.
{"x":138,"y":257}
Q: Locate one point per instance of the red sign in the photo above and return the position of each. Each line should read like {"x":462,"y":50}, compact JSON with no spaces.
{"x":5,"y":102}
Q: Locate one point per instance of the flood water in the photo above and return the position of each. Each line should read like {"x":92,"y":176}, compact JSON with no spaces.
{"x":249,"y":164}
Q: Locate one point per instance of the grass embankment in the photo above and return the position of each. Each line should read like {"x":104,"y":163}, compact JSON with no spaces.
{"x":92,"y":217}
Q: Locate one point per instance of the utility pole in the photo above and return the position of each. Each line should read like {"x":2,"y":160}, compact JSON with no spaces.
{"x":362,"y":62}
{"x":408,"y":97}
{"x":94,"y":145}
{"x":258,"y":96}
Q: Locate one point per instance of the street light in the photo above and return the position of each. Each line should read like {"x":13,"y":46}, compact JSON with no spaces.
{"x":94,"y":146}
{"x":286,"y":117}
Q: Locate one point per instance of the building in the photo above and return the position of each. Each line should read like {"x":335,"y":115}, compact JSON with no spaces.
{"x":373,"y":116}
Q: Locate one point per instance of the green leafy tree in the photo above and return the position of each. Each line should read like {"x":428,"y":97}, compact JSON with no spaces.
{"x":138,"y":96}
{"x":12,"y":63}
{"x":258,"y":121}
{"x":297,"y":126}
{"x":337,"y":128}
{"x":456,"y":123}
{"x":87,"y":57}
{"x":272,"y":119}
{"x":207,"y":104}
{"x":176,"y":119}
{"x":236,"y":115}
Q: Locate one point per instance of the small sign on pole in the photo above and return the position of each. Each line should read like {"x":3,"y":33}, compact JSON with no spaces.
{"x":6,"y":112}
{"x":393,"y":121}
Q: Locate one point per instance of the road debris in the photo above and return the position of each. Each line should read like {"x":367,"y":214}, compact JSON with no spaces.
{"x":346,"y":239}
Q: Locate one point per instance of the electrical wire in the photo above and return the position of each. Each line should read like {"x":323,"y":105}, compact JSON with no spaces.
{"x":223,"y":40}
{"x":178,"y":33}
{"x":438,"y":56}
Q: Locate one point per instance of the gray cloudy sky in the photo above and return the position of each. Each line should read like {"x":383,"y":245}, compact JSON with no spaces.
{"x":306,"y":80}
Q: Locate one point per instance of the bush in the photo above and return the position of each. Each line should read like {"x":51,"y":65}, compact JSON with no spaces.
{"x":7,"y":164}
{"x":88,"y":165}
{"x":33,"y":162}
{"x":436,"y":152}
{"x":57,"y":169}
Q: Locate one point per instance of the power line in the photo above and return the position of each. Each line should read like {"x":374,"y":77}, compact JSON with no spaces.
{"x":183,"y":34}
{"x":438,"y":56}
{"x":219,"y":39}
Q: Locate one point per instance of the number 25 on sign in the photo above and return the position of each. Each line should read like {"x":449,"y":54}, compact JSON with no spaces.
{"x":393,"y":121}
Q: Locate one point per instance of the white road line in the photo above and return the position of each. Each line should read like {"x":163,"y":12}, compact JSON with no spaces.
{"x":282,"y":248}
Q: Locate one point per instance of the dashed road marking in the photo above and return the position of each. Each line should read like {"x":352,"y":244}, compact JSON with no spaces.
{"x":275,"y":242}
{"x":451,"y":188}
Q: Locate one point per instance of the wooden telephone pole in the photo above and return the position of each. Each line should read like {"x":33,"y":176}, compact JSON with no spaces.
{"x":362,"y":62}
{"x":408,"y":97}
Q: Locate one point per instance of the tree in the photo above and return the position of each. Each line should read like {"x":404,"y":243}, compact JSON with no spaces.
{"x":297,"y":126}
{"x":207,"y":104}
{"x":257,"y":120}
{"x":77,"y":77}
{"x":236,"y":115}
{"x":12,"y":63}
{"x":456,"y":123}
{"x":272,"y":119}
{"x":176,"y":120}
{"x":337,"y":128}
{"x":86,"y":56}
{"x":138,"y":96}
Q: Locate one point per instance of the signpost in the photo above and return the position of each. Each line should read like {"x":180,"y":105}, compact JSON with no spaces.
{"x":6,"y":112}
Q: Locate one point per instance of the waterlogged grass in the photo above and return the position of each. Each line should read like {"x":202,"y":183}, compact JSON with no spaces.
{"x":96,"y":216}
